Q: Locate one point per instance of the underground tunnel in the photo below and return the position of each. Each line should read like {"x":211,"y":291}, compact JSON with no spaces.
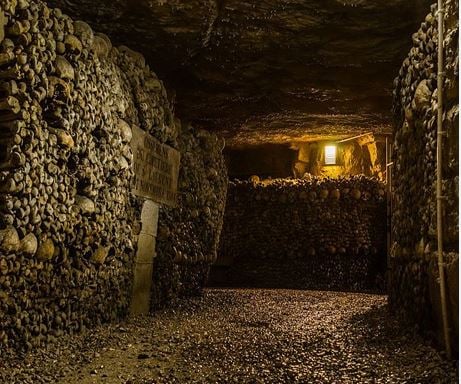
{"x":220,"y":191}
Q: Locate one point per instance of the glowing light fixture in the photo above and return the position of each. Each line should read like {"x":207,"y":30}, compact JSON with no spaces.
{"x":330,"y":154}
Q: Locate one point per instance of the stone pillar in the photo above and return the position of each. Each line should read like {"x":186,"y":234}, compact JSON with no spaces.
{"x":140,"y":300}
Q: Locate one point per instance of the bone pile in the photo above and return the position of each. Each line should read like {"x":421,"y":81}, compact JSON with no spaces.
{"x":414,"y":171}
{"x":68,"y":222}
{"x":188,"y":235}
{"x":317,"y":233}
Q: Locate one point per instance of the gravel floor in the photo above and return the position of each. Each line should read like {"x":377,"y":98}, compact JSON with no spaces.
{"x":244,"y":336}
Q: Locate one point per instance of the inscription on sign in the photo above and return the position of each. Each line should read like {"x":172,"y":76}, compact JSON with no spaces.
{"x":156,"y":168}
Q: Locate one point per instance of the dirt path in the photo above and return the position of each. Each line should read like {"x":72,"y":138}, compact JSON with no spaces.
{"x":245,"y":336}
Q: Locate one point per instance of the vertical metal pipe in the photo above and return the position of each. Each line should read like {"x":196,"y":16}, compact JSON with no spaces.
{"x":389,"y":164}
{"x":391,"y":207}
{"x":440,"y":133}
{"x":388,"y":220}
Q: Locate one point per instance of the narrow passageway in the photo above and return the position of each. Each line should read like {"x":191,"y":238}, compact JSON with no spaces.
{"x":260,"y":192}
{"x":245,"y":336}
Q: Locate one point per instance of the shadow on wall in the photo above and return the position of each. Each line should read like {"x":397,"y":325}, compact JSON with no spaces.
{"x":269,"y":160}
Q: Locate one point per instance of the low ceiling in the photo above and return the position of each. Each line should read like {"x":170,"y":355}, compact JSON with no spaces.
{"x":264,"y":71}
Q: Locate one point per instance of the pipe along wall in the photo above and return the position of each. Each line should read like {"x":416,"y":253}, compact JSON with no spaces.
{"x":69,"y":223}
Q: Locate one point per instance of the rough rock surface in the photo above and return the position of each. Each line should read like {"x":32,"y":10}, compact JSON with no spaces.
{"x":244,"y":336}
{"x":308,"y":234}
{"x":414,"y":288}
{"x":270,"y":70}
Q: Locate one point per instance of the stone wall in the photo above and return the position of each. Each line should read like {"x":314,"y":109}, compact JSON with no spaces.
{"x":314,"y":234}
{"x":414,"y":290}
{"x":365,"y":155}
{"x":189,"y":234}
{"x":68,"y":221}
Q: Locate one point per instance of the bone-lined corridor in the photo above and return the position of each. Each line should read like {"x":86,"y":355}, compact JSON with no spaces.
{"x":229,"y":191}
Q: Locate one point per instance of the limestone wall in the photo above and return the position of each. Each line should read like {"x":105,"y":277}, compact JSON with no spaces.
{"x":365,"y":155}
{"x":414,"y":288}
{"x":294,"y":233}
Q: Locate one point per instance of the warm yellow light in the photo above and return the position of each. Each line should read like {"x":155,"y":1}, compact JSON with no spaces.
{"x":330,"y":154}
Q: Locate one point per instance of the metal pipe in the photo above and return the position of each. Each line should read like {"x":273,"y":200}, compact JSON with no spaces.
{"x":354,"y":137}
{"x":440,"y":133}
{"x":388,"y":220}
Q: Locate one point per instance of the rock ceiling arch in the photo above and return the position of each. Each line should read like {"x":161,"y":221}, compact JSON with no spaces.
{"x":268,"y":70}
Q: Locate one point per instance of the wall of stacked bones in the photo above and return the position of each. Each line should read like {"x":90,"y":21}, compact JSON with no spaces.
{"x":188,"y":235}
{"x":68,"y":222}
{"x":414,"y":289}
{"x":318,"y":234}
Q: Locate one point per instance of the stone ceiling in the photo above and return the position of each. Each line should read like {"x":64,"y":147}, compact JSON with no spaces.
{"x":268,"y":70}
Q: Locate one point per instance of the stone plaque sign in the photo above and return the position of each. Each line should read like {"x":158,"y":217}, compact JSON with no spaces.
{"x":156,"y":168}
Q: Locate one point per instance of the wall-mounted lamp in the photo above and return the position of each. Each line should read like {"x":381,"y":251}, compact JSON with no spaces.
{"x":330,"y":154}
